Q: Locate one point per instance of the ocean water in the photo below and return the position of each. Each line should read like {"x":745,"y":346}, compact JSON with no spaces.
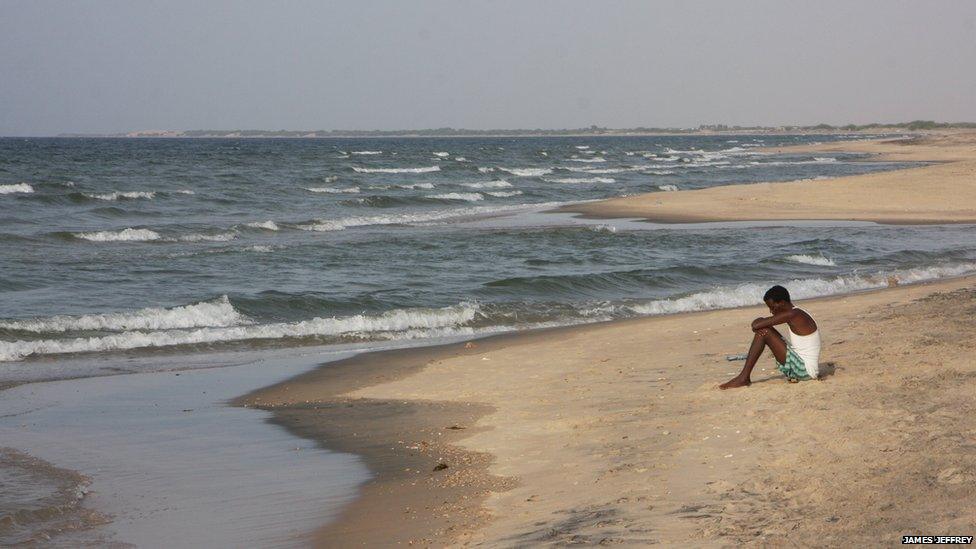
{"x":114,"y":248}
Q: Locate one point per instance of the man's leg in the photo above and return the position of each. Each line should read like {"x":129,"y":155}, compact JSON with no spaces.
{"x":767,"y":337}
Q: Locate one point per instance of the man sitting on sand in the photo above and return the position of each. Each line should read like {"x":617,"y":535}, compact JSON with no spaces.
{"x":798,"y":359}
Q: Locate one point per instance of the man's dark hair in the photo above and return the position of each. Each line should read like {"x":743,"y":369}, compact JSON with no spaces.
{"x":777,"y":294}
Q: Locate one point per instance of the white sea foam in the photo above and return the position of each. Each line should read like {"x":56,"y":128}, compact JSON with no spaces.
{"x":527,"y":172}
{"x":500,"y":184}
{"x":748,"y":294}
{"x":333,"y":190}
{"x":325,"y":225}
{"x":16,"y":188}
{"x":184,"y":191}
{"x":125,"y":235}
{"x":670,"y":188}
{"x":594,"y":159}
{"x":367,"y":152}
{"x":388,"y":325}
{"x":819,"y":260}
{"x":581,"y":180}
{"x":659,"y":172}
{"x":221,"y":237}
{"x":469,"y":197}
{"x":460,"y":159}
{"x":427,"y":169}
{"x":441,"y":154}
{"x":268,"y":225}
{"x":217,"y":312}
{"x":602,"y":171}
{"x":123,"y":195}
{"x":486,"y":170}
{"x":416,"y":186}
{"x":504,"y":194}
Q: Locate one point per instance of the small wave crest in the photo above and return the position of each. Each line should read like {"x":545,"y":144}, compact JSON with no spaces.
{"x":500,"y":184}
{"x":268,"y":225}
{"x":148,"y":235}
{"x":426,"y":169}
{"x":582,"y":180}
{"x":818,"y":260}
{"x":16,"y":188}
{"x":467,"y":197}
{"x":333,"y":190}
{"x":123,"y":195}
{"x":217,"y":312}
{"x":595,"y":159}
{"x":124,"y":235}
{"x":527,"y":172}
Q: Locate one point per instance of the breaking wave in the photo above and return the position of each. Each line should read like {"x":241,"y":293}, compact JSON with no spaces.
{"x":333,"y":190}
{"x":427,"y":169}
{"x":595,"y":159}
{"x":395,"y":324}
{"x":217,"y":312}
{"x":527,"y":172}
{"x":468,"y":197}
{"x":500,"y":184}
{"x":16,"y":188}
{"x":582,"y":180}
{"x":268,"y":225}
{"x":746,"y":294}
{"x":125,"y":235}
{"x":123,"y":195}
{"x":818,"y":260}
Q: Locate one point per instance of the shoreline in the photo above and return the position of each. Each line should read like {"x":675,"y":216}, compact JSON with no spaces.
{"x":390,"y":422}
{"x":889,"y":197}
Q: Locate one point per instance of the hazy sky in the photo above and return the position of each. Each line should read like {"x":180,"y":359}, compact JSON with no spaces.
{"x":110,"y":66}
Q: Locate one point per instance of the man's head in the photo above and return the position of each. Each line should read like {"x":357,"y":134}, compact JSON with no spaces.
{"x":777,"y":299}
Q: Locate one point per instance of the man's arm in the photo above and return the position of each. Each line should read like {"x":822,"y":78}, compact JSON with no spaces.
{"x":768,"y":322}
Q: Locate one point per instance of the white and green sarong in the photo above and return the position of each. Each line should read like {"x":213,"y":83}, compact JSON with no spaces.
{"x":793,"y":368}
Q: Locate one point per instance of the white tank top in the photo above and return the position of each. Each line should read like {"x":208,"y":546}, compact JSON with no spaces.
{"x":808,"y":348}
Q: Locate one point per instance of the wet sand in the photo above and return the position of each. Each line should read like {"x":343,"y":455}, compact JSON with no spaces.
{"x":944,"y":192}
{"x":160,"y":460}
{"x":616,"y":432}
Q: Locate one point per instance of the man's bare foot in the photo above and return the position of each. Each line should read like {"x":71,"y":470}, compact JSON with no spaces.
{"x":736,"y":382}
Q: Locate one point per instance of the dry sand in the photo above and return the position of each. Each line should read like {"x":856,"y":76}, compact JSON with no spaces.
{"x":616,"y":433}
{"x":941,"y":193}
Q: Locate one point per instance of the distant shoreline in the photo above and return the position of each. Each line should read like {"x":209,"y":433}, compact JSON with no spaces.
{"x":593,"y":131}
{"x":890,"y":197}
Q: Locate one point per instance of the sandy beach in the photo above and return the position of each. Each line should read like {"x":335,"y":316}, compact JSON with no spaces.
{"x":615,"y":433}
{"x":944,"y":192}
